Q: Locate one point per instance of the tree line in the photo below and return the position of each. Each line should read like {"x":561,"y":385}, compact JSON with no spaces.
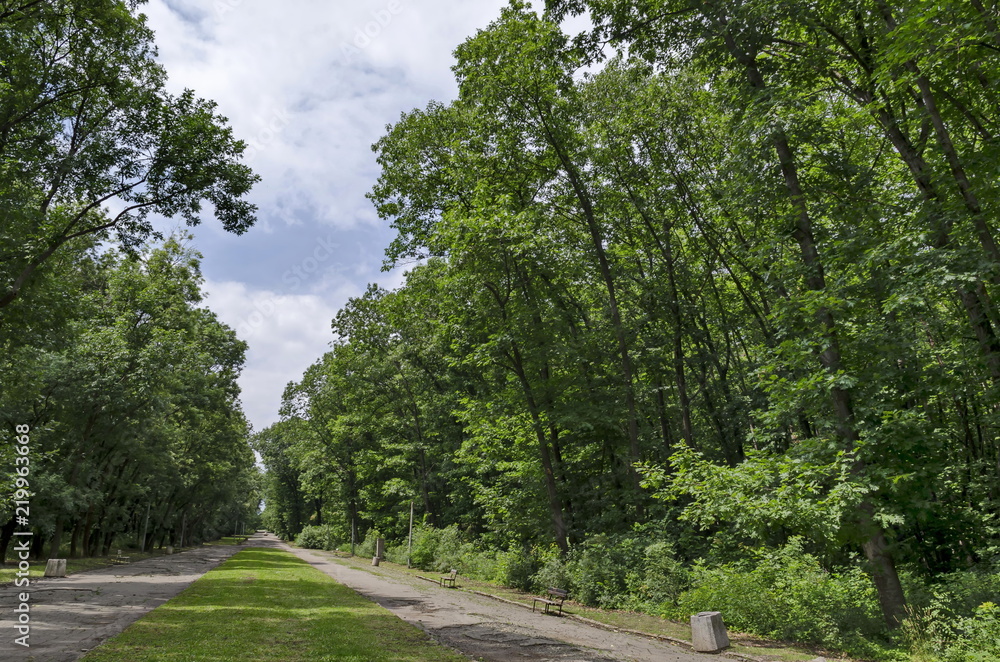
{"x":724,"y":267}
{"x":127,"y":385}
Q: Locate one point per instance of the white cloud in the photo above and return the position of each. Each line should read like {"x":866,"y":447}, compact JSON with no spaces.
{"x":310,"y":85}
{"x":286,"y":334}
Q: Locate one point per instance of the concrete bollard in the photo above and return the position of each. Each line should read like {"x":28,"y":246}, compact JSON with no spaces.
{"x":170,"y":550}
{"x":375,"y":560}
{"x":55,"y":568}
{"x":380,"y":548}
{"x":708,"y":632}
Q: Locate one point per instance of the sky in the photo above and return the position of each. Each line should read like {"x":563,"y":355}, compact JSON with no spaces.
{"x":310,"y":85}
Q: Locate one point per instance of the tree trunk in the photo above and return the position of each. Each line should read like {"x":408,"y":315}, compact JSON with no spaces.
{"x":56,"y":539}
{"x":6,"y":534}
{"x":890,"y":590}
{"x":551,"y":489}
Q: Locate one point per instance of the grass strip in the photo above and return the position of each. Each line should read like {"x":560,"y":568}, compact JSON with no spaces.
{"x":266,"y":604}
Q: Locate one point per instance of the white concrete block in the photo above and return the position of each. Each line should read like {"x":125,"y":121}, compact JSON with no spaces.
{"x":55,"y":568}
{"x":708,"y":632}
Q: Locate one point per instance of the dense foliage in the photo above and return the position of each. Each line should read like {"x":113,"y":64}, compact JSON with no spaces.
{"x":731,"y":293}
{"x":126,"y":386}
{"x":135,"y":423}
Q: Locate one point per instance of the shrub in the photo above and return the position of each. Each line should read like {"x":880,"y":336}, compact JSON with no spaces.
{"x":954,"y":618}
{"x":786,"y":594}
{"x":978,"y":637}
{"x":604,"y":569}
{"x":661,"y":579}
{"x":317,"y":537}
{"x":367,"y":546}
{"x":516,"y":568}
{"x":553,"y":571}
{"x":438,"y":550}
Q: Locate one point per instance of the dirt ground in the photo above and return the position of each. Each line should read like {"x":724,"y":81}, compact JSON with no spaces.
{"x":71,"y":615}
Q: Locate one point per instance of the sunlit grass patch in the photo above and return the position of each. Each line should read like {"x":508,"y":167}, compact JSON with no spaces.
{"x":265,"y":604}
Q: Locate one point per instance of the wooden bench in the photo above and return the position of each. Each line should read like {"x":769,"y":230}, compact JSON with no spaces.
{"x":449,"y":578}
{"x":556,"y":598}
{"x":118,"y":559}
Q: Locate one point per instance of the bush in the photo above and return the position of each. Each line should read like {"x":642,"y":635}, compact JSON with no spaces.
{"x":437,"y":550}
{"x":662,"y":580}
{"x":955,"y":618}
{"x":598,"y":569}
{"x":978,"y":637}
{"x":786,"y":594}
{"x":317,"y":537}
{"x":367,"y":546}
{"x":553,"y":571}
{"x":516,"y":568}
{"x":635,"y":572}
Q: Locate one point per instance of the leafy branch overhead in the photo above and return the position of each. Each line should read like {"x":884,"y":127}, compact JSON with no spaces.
{"x":91,"y":142}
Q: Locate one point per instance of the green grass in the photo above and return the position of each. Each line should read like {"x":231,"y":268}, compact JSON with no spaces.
{"x":224,"y":540}
{"x":265,"y":604}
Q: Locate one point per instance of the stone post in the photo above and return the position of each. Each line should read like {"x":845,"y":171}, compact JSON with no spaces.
{"x":55,"y":568}
{"x":380,"y":548}
{"x":708,"y":632}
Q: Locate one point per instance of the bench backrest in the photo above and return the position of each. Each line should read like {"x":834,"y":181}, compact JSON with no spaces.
{"x":562,"y":594}
{"x":453,"y":573}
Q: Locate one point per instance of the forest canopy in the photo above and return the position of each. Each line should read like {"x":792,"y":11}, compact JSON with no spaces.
{"x":709,"y":284}
{"x":124,"y":385}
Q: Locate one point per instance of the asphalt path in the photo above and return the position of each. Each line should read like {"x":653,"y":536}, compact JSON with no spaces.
{"x":70,"y":615}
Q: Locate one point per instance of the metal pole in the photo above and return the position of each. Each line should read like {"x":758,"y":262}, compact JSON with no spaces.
{"x":145,"y":531}
{"x":409,"y":544}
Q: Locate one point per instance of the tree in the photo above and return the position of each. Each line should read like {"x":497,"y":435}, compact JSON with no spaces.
{"x":86,"y":125}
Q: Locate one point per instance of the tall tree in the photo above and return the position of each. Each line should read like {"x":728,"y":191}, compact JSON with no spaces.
{"x":87,"y":125}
